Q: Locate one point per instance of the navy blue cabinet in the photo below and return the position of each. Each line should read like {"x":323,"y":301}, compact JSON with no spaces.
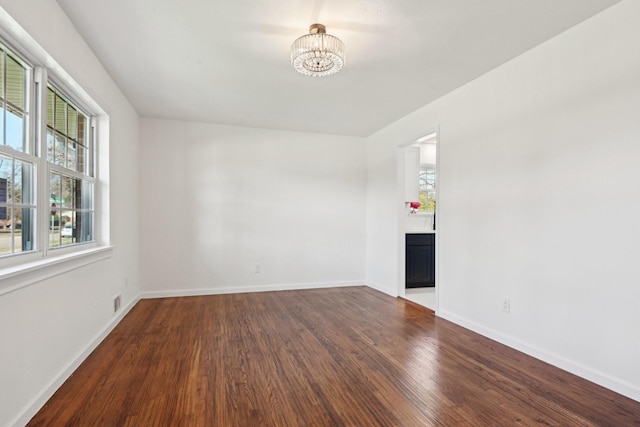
{"x":420,"y":260}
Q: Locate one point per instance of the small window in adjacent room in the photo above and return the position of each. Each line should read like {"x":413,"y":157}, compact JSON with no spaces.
{"x":427,"y":174}
{"x":427,"y":189}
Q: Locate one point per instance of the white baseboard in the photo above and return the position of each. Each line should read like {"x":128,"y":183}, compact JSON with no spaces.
{"x":614,"y":384}
{"x":378,"y":287}
{"x":246,"y":289}
{"x":38,"y":402}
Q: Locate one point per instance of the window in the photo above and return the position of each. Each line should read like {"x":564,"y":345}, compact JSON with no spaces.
{"x":17,"y":208}
{"x":69,"y":157}
{"x":13,"y":86}
{"x":427,"y":172}
{"x":47,"y":184}
{"x":427,"y":189}
{"x":17,"y":171}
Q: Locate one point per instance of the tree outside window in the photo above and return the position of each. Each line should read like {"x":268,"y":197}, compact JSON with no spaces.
{"x":427,"y":190}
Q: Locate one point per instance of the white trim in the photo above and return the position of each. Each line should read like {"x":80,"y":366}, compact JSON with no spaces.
{"x":22,"y":275}
{"x":422,"y":213}
{"x":39,"y":401}
{"x":615,"y":384}
{"x":427,"y":138}
{"x":246,"y":289}
{"x":378,"y":287}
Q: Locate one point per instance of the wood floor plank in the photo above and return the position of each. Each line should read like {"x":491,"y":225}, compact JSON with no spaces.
{"x":328,"y":357}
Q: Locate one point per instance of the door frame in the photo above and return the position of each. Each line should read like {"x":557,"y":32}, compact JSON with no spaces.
{"x":400,"y":192}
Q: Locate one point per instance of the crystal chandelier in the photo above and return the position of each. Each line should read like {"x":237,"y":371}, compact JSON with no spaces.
{"x":317,"y":54}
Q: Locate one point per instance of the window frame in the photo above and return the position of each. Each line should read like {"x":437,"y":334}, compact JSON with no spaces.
{"x":18,"y":268}
{"x":64,"y":171}
{"x":29,"y":152}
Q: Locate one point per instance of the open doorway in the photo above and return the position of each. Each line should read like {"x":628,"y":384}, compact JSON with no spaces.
{"x":418,"y":168}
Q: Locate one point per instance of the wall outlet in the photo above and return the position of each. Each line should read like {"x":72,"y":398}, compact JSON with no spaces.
{"x":257,"y":269}
{"x":506,"y":304}
{"x":116,"y":303}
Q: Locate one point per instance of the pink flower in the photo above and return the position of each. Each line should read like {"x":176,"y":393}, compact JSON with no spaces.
{"x":414,"y":205}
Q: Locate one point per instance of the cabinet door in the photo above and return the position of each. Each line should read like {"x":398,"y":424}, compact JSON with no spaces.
{"x":420,"y":261}
{"x":430,"y":268}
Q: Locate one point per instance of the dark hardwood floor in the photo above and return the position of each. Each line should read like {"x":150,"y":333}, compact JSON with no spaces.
{"x":330,"y":357}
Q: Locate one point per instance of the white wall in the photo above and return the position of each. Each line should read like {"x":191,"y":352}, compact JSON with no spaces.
{"x":538,"y":200}
{"x":46,"y":327}
{"x":217,"y":200}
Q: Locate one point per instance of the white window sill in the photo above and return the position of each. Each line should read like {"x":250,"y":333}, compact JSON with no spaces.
{"x":20,"y":276}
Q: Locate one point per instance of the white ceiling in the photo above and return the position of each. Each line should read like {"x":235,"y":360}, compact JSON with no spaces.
{"x":227,"y":61}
